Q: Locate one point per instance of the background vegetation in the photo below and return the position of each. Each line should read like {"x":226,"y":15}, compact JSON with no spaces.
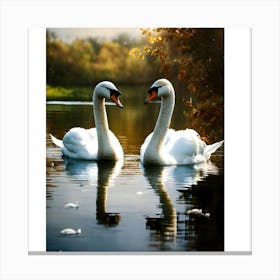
{"x":192,"y":58}
{"x":87,"y":61}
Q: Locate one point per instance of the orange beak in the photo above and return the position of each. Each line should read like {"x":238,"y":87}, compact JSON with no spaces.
{"x":116,"y":99}
{"x":152,"y":96}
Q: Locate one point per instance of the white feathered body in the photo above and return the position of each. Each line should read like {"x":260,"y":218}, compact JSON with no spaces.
{"x":81,"y":143}
{"x":165,"y":146}
{"x":181,"y":147}
{"x":97,"y":143}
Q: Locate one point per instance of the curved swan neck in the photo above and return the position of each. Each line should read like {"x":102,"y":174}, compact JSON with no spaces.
{"x":102,"y":128}
{"x":163,"y":121}
{"x":153,"y":153}
{"x":156,"y":176}
{"x":100,"y":115}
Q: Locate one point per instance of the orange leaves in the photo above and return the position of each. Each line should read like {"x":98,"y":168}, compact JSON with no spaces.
{"x":206,"y":117}
{"x":191,"y":56}
{"x":192,"y":87}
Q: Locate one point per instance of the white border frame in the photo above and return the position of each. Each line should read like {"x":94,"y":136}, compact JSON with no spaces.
{"x":261,"y":16}
{"x":237,"y":67}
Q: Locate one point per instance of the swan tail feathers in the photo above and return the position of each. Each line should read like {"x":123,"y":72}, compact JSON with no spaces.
{"x":210,"y":149}
{"x":56,"y":141}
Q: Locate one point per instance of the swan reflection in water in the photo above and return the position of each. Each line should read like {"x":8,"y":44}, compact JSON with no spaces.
{"x":165,"y":225}
{"x":101,"y":174}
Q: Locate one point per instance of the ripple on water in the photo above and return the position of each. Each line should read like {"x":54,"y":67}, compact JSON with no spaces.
{"x":131,"y":165}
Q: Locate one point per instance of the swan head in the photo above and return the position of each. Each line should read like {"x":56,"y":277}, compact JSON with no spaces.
{"x":160,"y":88}
{"x":108,"y":90}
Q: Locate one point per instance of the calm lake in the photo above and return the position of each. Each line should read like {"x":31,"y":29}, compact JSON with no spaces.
{"x":125,"y":207}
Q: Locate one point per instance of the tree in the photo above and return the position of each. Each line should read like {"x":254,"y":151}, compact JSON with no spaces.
{"x":193,"y":57}
{"x":86,"y":61}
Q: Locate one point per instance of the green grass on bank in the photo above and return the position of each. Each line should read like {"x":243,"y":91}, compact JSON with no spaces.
{"x":67,"y":94}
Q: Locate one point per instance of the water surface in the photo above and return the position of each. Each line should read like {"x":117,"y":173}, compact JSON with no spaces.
{"x":125,"y":207}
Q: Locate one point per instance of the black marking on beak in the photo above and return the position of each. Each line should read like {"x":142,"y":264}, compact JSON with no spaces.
{"x":114,"y":91}
{"x":153,"y":89}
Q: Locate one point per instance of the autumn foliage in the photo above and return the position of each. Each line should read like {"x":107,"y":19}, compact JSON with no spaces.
{"x":87,"y":61}
{"x":192,"y":58}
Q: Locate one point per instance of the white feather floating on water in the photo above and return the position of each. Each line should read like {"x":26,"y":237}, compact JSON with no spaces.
{"x":72,"y":205}
{"x":70,"y":231}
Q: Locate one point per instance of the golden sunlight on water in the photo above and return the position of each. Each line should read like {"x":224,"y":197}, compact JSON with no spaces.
{"x":125,"y":206}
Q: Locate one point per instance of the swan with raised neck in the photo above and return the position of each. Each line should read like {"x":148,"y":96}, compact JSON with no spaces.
{"x":166,"y":146}
{"x":97,"y":143}
{"x":106,"y":147}
{"x":154,"y":154}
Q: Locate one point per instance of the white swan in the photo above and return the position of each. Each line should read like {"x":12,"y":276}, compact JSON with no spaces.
{"x":166,"y":146}
{"x":70,"y":231}
{"x":98,"y":143}
{"x":72,"y":205}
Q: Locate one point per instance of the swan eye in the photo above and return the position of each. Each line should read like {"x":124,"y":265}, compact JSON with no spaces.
{"x":154,"y":89}
{"x":113,"y":91}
